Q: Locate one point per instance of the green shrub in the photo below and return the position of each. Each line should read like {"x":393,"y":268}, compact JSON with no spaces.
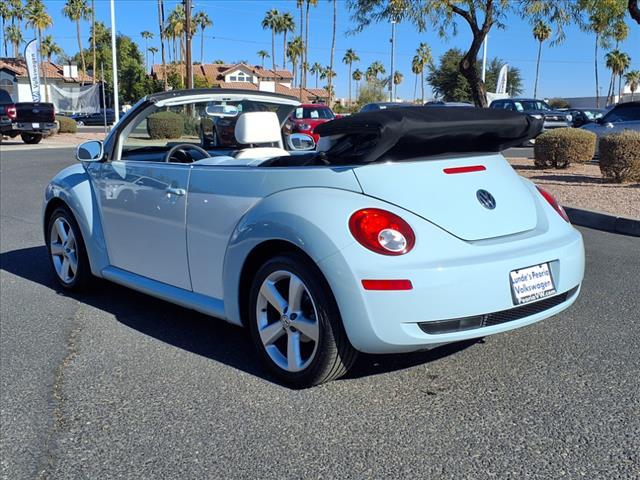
{"x":559,"y":147}
{"x":67,"y":125}
{"x":165,"y":125}
{"x":558,"y":103}
{"x":620,"y":156}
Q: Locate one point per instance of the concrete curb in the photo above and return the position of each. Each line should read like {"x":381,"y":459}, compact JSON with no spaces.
{"x":603,"y":221}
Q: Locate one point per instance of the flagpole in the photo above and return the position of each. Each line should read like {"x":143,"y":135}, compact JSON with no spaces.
{"x":116,"y":105}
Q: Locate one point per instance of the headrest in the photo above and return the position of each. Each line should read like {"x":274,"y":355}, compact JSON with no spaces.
{"x":258,"y":127}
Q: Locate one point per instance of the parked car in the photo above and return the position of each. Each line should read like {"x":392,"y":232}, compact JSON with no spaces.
{"x":372,"y":107}
{"x":307,"y":117}
{"x":537,"y":109}
{"x":624,"y":116}
{"x":28,"y":119}
{"x":394,"y":238}
{"x":582,"y":116}
{"x":96,"y":118}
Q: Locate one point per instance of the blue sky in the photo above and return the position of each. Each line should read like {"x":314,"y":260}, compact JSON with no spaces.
{"x":566,"y":70}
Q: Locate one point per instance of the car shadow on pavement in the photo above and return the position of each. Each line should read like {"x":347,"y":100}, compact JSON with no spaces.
{"x":187,"y":329}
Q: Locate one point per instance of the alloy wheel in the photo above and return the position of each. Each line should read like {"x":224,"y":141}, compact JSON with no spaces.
{"x":63,"y":249}
{"x":287,"y":321}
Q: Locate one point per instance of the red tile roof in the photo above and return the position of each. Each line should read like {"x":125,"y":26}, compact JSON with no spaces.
{"x":19,"y":67}
{"x":216,"y":71}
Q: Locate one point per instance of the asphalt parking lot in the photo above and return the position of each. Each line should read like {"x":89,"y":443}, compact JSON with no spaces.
{"x":117,"y":384}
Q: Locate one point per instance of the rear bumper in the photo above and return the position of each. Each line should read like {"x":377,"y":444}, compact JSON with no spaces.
{"x":33,"y":127}
{"x":455,"y":280}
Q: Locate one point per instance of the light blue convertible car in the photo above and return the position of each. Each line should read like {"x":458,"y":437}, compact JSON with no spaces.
{"x":401,"y":230}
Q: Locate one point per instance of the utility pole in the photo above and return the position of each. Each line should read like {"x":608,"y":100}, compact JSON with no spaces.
{"x":484,"y":57}
{"x":116,"y":102}
{"x":393,"y":51}
{"x":189,"y":66}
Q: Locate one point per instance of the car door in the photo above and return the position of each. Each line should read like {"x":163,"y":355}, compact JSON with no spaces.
{"x":143,"y":205}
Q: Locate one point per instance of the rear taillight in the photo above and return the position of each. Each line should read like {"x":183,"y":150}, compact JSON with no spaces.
{"x":381,"y":231}
{"x":554,"y":203}
{"x":11,"y":112}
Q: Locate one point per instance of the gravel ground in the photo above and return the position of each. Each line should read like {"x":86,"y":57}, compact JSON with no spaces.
{"x":582,"y":186}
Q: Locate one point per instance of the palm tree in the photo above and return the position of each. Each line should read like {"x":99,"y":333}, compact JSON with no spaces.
{"x":423,"y":52}
{"x":541,"y":32}
{"x":620,"y":31}
{"x":294,"y":52}
{"x":153,"y":51}
{"x":357,"y":76}
{"x":617,"y":62}
{"x":599,"y":24}
{"x":162,"y":35}
{"x":203,"y":21}
{"x":14,"y":35}
{"x":397,"y":80}
{"x":76,"y":10}
{"x":177,"y":24}
{"x":263,"y":54}
{"x":270,"y":22}
{"x":350,"y":56}
{"x":633,"y":80}
{"x":146,"y":35}
{"x":305,"y":60}
{"x":5,"y":12}
{"x":417,"y":68}
{"x":285,"y":25}
{"x":39,"y":19}
{"x":316,"y":69}
{"x":333,"y":47}
{"x":375,"y":69}
{"x":17,"y":11}
{"x":50,"y":48}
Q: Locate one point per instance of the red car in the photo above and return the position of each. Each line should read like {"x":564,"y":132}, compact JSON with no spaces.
{"x":307,"y":117}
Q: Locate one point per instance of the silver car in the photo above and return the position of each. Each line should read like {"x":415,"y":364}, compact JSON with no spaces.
{"x":624,"y":116}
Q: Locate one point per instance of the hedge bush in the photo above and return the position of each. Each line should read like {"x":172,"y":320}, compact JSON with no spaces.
{"x":165,"y":125}
{"x":620,"y":156}
{"x":67,"y":125}
{"x":559,"y":147}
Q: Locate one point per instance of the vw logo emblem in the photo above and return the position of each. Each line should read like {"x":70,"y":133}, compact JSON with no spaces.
{"x":486,"y":199}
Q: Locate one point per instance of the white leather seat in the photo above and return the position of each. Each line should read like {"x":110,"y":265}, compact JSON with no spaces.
{"x":259,"y":128}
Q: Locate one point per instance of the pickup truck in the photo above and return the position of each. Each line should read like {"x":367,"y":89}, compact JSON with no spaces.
{"x":29,"y":120}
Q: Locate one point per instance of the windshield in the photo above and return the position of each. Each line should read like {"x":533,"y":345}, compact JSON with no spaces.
{"x":314,"y":113}
{"x":626,"y":114}
{"x":526,"y":105}
{"x":592,"y":115}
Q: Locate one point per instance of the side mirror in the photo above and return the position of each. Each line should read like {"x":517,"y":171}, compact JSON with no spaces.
{"x":92,"y":151}
{"x":300,"y":142}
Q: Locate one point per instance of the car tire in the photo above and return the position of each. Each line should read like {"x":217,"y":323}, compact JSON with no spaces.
{"x":31,"y":138}
{"x":304,"y":345}
{"x":80,"y":123}
{"x":65,"y":246}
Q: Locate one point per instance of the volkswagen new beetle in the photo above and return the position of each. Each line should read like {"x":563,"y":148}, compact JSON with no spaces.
{"x":401,"y":230}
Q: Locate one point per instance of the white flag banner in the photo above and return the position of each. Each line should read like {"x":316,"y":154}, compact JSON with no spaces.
{"x":33,"y":68}
{"x":501,"y":86}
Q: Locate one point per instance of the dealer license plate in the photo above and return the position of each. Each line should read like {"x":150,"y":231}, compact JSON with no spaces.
{"x":35,"y":125}
{"x":532,"y":283}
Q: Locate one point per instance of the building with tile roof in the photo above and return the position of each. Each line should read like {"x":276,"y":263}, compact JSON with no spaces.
{"x":246,"y":77}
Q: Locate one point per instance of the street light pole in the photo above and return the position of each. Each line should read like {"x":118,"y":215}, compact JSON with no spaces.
{"x":393,"y":48}
{"x":116,"y":102}
{"x":484,"y":57}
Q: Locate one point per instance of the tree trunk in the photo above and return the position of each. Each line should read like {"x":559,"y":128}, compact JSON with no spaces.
{"x":273,"y":52}
{"x":202,"y":47}
{"x":610,"y":89}
{"x":161,"y":25}
{"x":470,"y":72}
{"x":620,"y":88}
{"x":333,"y":49}
{"x":4,"y":37}
{"x":535,"y":85}
{"x":350,"y":80}
{"x":316,"y":79}
{"x":284,"y":50}
{"x":596,"y":70}
{"x":422,"y":86}
{"x":44,"y":72}
{"x":84,"y":65}
{"x":306,"y":48}
{"x":93,"y":40}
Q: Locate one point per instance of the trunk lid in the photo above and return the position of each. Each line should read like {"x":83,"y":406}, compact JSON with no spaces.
{"x":442,"y":192}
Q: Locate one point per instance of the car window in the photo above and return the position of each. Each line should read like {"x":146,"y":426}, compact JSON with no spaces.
{"x":314,"y":113}
{"x":526,"y":105}
{"x":5,"y":97}
{"x":625,"y":114}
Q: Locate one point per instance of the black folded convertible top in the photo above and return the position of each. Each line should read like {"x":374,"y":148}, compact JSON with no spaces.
{"x":409,"y":133}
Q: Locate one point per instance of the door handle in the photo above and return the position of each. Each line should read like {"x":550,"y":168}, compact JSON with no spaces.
{"x":176,"y":191}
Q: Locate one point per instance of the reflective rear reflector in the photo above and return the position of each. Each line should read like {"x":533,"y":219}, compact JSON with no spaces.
{"x":387,"y":284}
{"x":472,"y":168}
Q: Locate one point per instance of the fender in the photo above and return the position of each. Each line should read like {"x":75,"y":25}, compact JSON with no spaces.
{"x":73,"y":187}
{"x":298,"y":216}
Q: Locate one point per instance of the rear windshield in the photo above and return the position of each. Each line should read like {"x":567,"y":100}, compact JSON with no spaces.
{"x":526,"y":105}
{"x":313,"y":113}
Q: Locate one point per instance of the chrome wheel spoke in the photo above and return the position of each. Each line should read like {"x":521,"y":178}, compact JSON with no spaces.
{"x":294,"y":360}
{"x":271,"y":294}
{"x":296,"y":290}
{"x":271,"y":333}
{"x":71,"y":240}
{"x":56,"y":249}
{"x":64,"y":270}
{"x":308,"y":327}
{"x":73,"y":262}
{"x":59,"y":226}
